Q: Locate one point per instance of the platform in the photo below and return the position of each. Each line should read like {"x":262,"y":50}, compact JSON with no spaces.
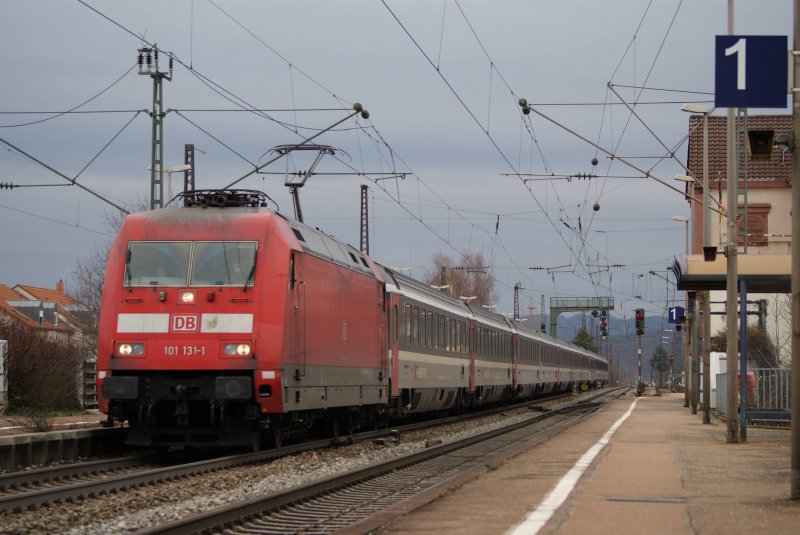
{"x":662,"y":471}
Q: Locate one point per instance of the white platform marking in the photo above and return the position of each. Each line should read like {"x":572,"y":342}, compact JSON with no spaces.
{"x":538,"y":518}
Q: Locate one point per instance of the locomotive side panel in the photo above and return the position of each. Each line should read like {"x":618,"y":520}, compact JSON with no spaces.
{"x":334,"y":351}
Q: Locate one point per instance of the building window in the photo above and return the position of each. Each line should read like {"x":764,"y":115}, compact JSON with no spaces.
{"x":757,"y":225}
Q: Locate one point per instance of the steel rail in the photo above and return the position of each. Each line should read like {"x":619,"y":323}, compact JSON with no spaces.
{"x":225,"y":517}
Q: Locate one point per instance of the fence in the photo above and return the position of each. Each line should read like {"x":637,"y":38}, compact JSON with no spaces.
{"x":772,"y":392}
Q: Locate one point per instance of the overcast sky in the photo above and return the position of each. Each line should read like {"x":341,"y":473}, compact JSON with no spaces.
{"x":440,"y":79}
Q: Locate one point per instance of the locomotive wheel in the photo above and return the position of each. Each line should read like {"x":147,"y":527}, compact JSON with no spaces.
{"x":256,"y":440}
{"x":335,"y":427}
{"x":277,"y":432}
{"x":277,"y":436}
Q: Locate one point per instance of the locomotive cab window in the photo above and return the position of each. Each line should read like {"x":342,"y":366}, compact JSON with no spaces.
{"x":223,"y":263}
{"x":166,"y":263}
{"x":157,"y":263}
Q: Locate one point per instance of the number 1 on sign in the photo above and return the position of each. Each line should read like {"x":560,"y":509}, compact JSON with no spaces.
{"x":740,"y":48}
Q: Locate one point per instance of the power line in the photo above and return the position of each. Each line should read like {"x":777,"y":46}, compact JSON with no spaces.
{"x":37,"y":216}
{"x":71,"y":110}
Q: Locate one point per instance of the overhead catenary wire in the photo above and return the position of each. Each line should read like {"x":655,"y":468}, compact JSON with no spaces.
{"x":472,"y":115}
{"x":59,"y":173}
{"x":391,"y":153}
{"x":74,"y":108}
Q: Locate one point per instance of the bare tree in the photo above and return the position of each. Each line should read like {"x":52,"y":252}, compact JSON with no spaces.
{"x":469,"y":276}
{"x":43,"y":367}
{"x":760,"y":347}
{"x":778,"y":324}
{"x":86,"y":282}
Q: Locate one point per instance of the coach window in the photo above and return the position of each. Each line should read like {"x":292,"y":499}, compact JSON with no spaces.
{"x":415,"y":327}
{"x":223,"y":263}
{"x":421,"y":327}
{"x":157,"y":263}
{"x":393,"y":323}
{"x":407,"y":323}
{"x":442,"y":332}
{"x":429,"y":329}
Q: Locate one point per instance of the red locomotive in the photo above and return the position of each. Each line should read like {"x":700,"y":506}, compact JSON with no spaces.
{"x":225,"y":323}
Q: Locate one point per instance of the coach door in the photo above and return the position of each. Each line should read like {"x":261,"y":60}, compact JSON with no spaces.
{"x":394,"y":349}
{"x":473,"y":348}
{"x":297,"y":357}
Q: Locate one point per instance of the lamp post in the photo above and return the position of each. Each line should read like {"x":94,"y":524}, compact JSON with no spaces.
{"x":683,"y":219}
{"x":686,"y":356}
{"x":169,"y":170}
{"x":695,"y":109}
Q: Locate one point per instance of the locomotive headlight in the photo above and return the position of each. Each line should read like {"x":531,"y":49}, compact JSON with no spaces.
{"x":233,"y":350}
{"x":134,"y":350}
{"x":187,"y":297}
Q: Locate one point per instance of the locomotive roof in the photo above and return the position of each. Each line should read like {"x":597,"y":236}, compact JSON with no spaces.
{"x":316,"y":242}
{"x":311,"y":240}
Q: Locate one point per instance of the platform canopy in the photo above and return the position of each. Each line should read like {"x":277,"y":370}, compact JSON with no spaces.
{"x":762,"y":273}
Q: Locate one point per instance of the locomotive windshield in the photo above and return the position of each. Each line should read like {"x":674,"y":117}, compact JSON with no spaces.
{"x":223,"y":263}
{"x":168,"y":263}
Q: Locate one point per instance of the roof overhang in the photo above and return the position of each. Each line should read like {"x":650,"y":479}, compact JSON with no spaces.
{"x":762,"y":273}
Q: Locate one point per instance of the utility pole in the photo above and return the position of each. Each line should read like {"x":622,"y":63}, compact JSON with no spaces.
{"x":795,"y":136}
{"x":517,"y":288}
{"x":541,"y":314}
{"x":691,"y":379}
{"x":639,"y":386}
{"x":732,"y":434}
{"x":364,"y":229}
{"x":148,"y":66}
{"x":706,"y":350}
{"x":188,"y":175}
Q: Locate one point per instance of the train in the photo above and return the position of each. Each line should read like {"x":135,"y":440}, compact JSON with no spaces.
{"x":225,"y":323}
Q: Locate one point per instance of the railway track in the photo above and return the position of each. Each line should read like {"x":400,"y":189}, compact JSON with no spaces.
{"x":335,"y":503}
{"x":114,"y":487}
{"x":29,"y":489}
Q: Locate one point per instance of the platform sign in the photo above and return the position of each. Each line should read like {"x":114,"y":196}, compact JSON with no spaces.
{"x":676,"y":314}
{"x":750,"y":71}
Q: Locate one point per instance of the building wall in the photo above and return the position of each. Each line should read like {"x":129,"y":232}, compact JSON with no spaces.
{"x":769,"y":211}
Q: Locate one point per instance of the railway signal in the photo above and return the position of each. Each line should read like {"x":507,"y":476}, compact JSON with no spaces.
{"x":639,"y":321}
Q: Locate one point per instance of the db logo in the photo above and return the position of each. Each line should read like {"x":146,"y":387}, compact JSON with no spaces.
{"x":185,"y":322}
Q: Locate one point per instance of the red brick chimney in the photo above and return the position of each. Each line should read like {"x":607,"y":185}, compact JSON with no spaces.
{"x":60,"y":286}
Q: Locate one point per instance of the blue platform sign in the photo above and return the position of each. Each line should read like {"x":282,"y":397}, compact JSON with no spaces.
{"x":751,"y":71}
{"x":676,"y":314}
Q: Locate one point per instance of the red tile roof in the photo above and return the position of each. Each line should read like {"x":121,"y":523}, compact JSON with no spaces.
{"x":46,"y":294}
{"x":21,"y":293}
{"x":776,"y":171}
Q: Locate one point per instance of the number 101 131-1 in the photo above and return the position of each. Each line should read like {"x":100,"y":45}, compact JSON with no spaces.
{"x":184,"y":351}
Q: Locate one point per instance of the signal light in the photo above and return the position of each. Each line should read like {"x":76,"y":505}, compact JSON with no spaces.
{"x":639,"y":321}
